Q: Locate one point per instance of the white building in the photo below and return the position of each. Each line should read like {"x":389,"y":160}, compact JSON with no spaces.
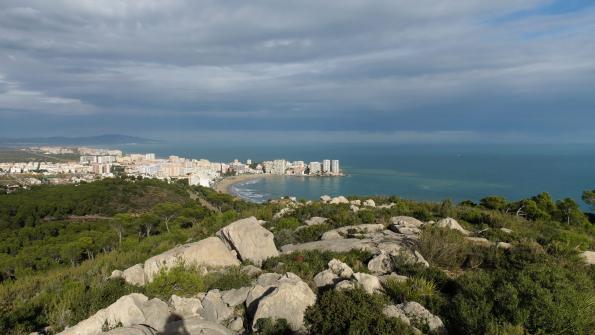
{"x":314,"y":168}
{"x":335,"y":166}
{"x":326,"y":166}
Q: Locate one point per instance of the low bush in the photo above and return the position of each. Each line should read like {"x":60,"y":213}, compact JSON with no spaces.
{"x":443,"y":247}
{"x":352,"y":312}
{"x":416,"y":289}
{"x":180,"y":280}
{"x":273,"y":327}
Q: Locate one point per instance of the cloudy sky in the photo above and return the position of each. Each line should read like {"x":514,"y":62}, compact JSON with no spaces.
{"x":424,"y":70}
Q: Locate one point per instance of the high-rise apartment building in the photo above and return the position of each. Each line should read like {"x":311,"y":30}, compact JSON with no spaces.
{"x":326,"y":166}
{"x":335,"y":166}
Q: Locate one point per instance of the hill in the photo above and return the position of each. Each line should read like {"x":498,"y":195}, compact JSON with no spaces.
{"x":379,"y":265}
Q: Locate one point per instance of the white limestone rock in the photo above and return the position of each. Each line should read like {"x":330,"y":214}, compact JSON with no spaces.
{"x":237,"y":325}
{"x":339,"y":200}
{"x":135,"y":275}
{"x":406,"y":221}
{"x":315,"y":220}
{"x":283,"y":212}
{"x":356,"y":202}
{"x":214,"y":309}
{"x":588,"y":256}
{"x":250,"y":240}
{"x":235,"y":297}
{"x":354,"y":208}
{"x":480,"y":241}
{"x":393,"y":276}
{"x":381,"y":264}
{"x":345,"y":285}
{"x":325,"y":278}
{"x":325,"y":198}
{"x":506,"y":230}
{"x":288,"y":300}
{"x":503,"y":245}
{"x":368,"y":282}
{"x":185,"y":307}
{"x":453,"y":224}
{"x":210,"y":252}
{"x":393,"y":311}
{"x":418,"y":314}
{"x":342,"y":232}
{"x":129,"y":310}
{"x":340,"y":269}
{"x":369,"y":203}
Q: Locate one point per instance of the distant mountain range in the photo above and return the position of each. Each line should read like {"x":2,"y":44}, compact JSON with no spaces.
{"x":109,"y":139}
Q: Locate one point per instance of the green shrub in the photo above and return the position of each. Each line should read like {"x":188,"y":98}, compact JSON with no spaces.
{"x":416,"y":289}
{"x":443,"y":247}
{"x":352,"y":312}
{"x":229,"y":279}
{"x":179,"y":280}
{"x":542,"y":297}
{"x":286,"y":223}
{"x":273,"y":327}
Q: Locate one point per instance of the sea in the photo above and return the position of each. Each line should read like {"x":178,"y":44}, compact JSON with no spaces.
{"x":420,"y":172}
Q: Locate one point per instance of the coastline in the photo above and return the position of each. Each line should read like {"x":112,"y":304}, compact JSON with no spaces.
{"x":224,"y":185}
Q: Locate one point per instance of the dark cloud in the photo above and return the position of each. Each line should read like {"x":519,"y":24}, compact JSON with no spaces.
{"x":400,"y":67}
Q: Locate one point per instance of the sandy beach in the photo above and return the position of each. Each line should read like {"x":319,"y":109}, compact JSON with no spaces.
{"x":224,"y":185}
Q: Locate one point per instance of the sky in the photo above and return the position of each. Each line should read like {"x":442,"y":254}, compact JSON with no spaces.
{"x":388,"y":71}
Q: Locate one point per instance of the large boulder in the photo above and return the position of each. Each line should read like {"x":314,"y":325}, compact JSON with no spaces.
{"x":210,"y":252}
{"x":129,"y":310}
{"x":369,"y":203}
{"x":419,"y":316}
{"x":451,"y":223}
{"x":288,"y":300}
{"x":346,"y":231}
{"x":393,"y":311}
{"x":132,"y":330}
{"x":325,"y":198}
{"x":251,"y":241}
{"x":135,"y":275}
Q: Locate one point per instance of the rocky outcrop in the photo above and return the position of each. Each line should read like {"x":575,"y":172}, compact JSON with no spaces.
{"x":369,"y":203}
{"x":129,"y":310}
{"x":406,"y":221}
{"x":286,"y":299}
{"x":250,"y":240}
{"x":351,"y":231}
{"x":451,"y":223}
{"x":235,"y":297}
{"x":325,"y":198}
{"x":283,"y":212}
{"x":481,"y":241}
{"x":419,"y":316}
{"x":393,"y":311}
{"x":210,"y":252}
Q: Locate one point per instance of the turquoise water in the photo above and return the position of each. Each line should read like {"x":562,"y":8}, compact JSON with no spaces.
{"x":416,"y":172}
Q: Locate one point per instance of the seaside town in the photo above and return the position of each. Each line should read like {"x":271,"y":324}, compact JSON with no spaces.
{"x":94,"y":163}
